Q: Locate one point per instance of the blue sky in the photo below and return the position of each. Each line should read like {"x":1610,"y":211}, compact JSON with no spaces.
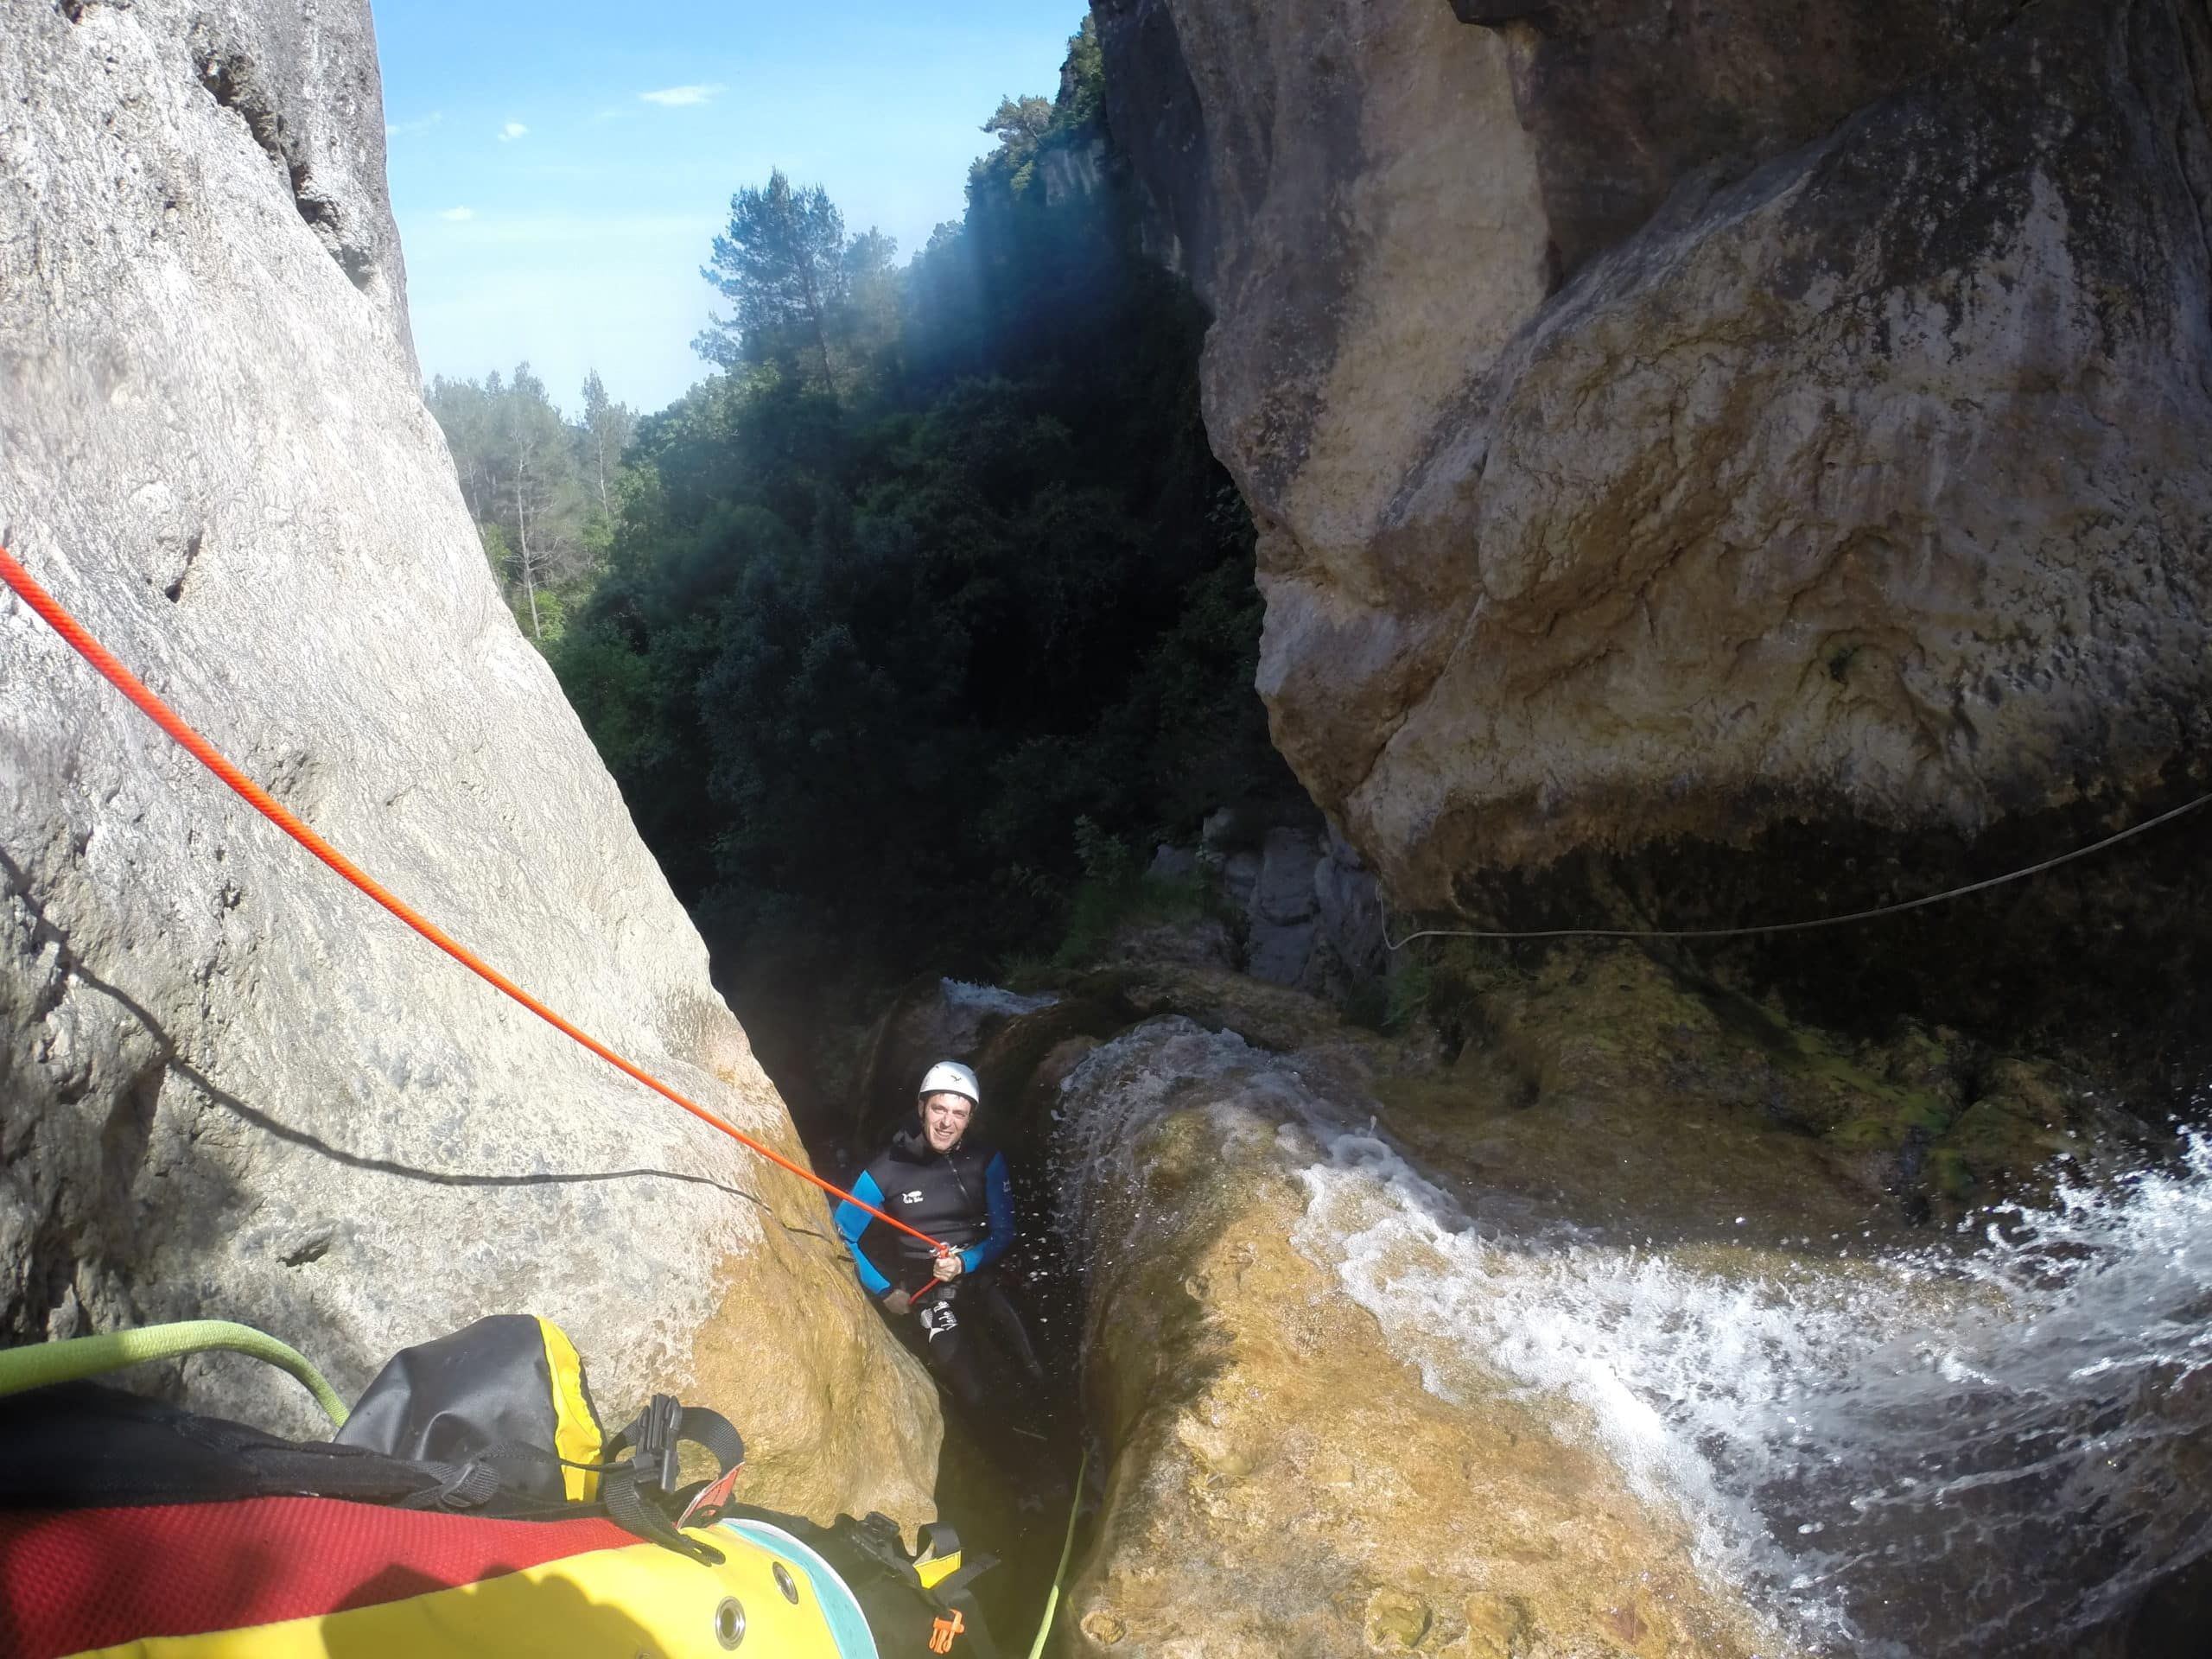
{"x":559,"y":169}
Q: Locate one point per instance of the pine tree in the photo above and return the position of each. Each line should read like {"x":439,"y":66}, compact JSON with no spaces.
{"x":605,"y":433}
{"x":782,"y":262}
{"x":522,"y":470}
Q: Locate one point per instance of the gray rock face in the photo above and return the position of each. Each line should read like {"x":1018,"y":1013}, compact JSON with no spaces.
{"x":1172,"y":863}
{"x":1348,"y":903}
{"x":1622,"y":98}
{"x":1073,"y":175}
{"x":228,"y":1086}
{"x":1232,"y":829}
{"x":1669,"y":427}
{"x":934,"y":1019}
{"x":1280,"y":940}
{"x":1312,"y":913}
{"x":1240,"y":879}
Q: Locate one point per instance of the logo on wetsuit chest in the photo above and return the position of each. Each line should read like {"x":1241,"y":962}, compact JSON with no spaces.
{"x":910,"y":1198}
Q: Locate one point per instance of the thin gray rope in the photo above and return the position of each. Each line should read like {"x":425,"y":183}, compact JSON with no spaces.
{"x":1798,"y":927}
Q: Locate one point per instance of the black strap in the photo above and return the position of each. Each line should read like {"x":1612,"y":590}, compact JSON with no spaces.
{"x":507,"y":1471}
{"x":956,"y":1583}
{"x":716,"y":1434}
{"x":469,"y":1485}
{"x":661,"y":1427}
{"x":635,"y":1489}
{"x":627,"y":1508}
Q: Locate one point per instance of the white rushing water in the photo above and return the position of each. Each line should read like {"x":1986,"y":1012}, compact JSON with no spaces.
{"x":1929,"y":1454}
{"x":968,"y":997}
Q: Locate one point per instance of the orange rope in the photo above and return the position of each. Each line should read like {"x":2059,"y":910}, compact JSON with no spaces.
{"x":163,"y":716}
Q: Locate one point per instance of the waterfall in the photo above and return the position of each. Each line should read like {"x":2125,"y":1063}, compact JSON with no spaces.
{"x":1987,"y":1447}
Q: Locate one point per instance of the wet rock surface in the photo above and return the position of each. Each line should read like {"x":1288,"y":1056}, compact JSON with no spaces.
{"x":1665,"y":427}
{"x":1605,"y":1310}
{"x":1281,"y":1481}
{"x":229,"y":1086}
{"x":933,"y":1019}
{"x":1609,"y":1091}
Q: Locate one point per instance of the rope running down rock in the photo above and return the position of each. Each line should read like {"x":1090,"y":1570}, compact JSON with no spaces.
{"x":163,"y":716}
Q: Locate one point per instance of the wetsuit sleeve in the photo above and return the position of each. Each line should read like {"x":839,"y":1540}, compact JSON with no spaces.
{"x":853,"y":1221}
{"x":998,"y":1200}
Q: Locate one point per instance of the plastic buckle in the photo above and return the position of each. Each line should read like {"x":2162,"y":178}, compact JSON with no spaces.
{"x":658,"y":1429}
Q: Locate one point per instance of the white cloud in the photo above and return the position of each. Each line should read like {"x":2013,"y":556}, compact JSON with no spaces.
{"x":511,"y":130}
{"x":676,"y":97}
{"x":409,"y":129}
{"x":459,"y":215}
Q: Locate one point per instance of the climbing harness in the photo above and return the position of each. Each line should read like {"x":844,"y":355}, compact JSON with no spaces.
{"x":73,"y":632}
{"x":1764,"y":928}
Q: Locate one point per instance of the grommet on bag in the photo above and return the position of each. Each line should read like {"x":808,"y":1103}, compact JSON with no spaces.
{"x":729,"y":1623}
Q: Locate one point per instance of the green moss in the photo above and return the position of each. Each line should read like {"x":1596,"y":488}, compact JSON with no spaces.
{"x":1887,"y":1117}
{"x":1391,"y":1005}
{"x":1026,"y":971}
{"x":1103,"y":906}
{"x":1738,"y":1013}
{"x":1949,"y":1172}
{"x":2006,"y":1141}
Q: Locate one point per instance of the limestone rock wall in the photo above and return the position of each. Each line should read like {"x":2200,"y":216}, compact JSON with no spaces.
{"x":228,"y":1086}
{"x":1670,"y":422}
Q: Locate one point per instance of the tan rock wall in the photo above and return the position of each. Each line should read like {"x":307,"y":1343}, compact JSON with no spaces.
{"x":1664,"y":426}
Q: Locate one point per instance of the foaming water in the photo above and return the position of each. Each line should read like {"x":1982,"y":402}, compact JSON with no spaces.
{"x":1970,"y":1453}
{"x":966,"y":995}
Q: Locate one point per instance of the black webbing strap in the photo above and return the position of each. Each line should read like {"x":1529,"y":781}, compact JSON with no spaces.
{"x":715,"y":1434}
{"x":663,"y":1426}
{"x":502,"y":1471}
{"x":877,"y":1537}
{"x":634,"y":1489}
{"x":956,"y":1582}
{"x":628,"y":1508}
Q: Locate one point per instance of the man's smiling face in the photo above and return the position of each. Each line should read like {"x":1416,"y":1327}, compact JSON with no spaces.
{"x":944,"y":1119}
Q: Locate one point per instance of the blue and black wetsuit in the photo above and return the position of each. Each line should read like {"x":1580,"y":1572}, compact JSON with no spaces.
{"x":962,"y":1198}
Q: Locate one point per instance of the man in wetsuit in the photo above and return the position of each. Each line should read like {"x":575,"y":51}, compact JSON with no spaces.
{"x":943,"y":1181}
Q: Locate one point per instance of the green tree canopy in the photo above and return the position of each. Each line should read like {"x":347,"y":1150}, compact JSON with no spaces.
{"x":781,"y":263}
{"x":542,"y":490}
{"x":938,"y":568}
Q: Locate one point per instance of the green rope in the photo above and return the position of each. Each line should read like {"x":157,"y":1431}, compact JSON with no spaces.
{"x":1053,"y":1601}
{"x":38,"y":1364}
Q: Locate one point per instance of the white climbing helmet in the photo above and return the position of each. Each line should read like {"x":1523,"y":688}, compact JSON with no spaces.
{"x":949,"y":1077}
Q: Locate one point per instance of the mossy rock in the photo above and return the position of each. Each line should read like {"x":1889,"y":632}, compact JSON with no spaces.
{"x":1889,"y":1119}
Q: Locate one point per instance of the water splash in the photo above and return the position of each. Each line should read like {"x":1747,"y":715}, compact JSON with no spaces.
{"x":1120,"y":1088}
{"x":1921,"y":1455}
{"x":968,"y":997}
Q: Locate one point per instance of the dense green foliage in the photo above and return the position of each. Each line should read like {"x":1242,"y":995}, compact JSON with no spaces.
{"x":937,"y":567}
{"x":543,"y":489}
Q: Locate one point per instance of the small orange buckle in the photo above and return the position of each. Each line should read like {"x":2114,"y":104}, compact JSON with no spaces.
{"x":944,"y":1631}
